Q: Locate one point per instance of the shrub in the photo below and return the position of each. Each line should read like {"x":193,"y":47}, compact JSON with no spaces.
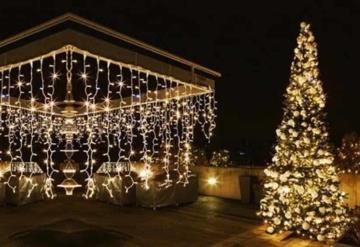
{"x":220,"y":158}
{"x":348,"y":155}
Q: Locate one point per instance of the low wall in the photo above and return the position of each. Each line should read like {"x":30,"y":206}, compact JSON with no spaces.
{"x":228,"y":182}
{"x":350,"y":183}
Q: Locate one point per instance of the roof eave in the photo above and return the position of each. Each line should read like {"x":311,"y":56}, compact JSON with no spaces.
{"x":107,"y":31}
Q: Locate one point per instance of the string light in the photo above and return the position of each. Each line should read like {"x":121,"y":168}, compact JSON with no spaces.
{"x":133,"y":107}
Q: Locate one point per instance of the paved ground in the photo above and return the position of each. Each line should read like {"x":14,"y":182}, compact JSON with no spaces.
{"x":74,"y":222}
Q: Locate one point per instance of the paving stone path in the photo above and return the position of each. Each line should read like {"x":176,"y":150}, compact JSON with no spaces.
{"x":76,"y":222}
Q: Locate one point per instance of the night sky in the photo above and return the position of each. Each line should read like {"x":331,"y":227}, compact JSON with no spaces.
{"x":250,"y":42}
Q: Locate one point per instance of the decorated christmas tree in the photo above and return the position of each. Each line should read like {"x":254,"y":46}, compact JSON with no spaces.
{"x":301,"y":186}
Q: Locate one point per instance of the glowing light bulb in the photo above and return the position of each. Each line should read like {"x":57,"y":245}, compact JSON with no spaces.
{"x":69,"y":121}
{"x":212,"y":181}
{"x":55,"y":76}
{"x":19,"y":83}
{"x":145,"y":173}
{"x":84,"y":76}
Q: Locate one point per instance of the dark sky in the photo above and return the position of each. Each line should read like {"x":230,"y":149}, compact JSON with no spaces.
{"x":250,"y":42}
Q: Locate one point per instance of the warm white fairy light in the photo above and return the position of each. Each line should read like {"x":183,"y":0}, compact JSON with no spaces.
{"x":301,"y":187}
{"x":108,"y":181}
{"x":84,"y":76}
{"x":10,"y":135}
{"x":54,"y":75}
{"x":28,"y":177}
{"x":138,"y":106}
{"x":49,"y":104}
{"x":19,"y":84}
{"x":90,"y":184}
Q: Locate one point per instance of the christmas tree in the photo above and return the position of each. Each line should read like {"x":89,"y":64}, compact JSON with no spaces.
{"x":301,"y":186}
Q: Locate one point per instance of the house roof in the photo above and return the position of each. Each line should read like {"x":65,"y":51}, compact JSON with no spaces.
{"x":134,"y":51}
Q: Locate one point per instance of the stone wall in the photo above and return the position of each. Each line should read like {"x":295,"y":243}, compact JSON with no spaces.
{"x":228,"y":182}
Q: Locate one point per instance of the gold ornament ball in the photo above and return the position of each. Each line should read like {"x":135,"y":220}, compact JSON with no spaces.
{"x":320,"y":238}
{"x":270,"y":229}
{"x":277,"y":221}
{"x":305,"y":226}
{"x":288,"y":215}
